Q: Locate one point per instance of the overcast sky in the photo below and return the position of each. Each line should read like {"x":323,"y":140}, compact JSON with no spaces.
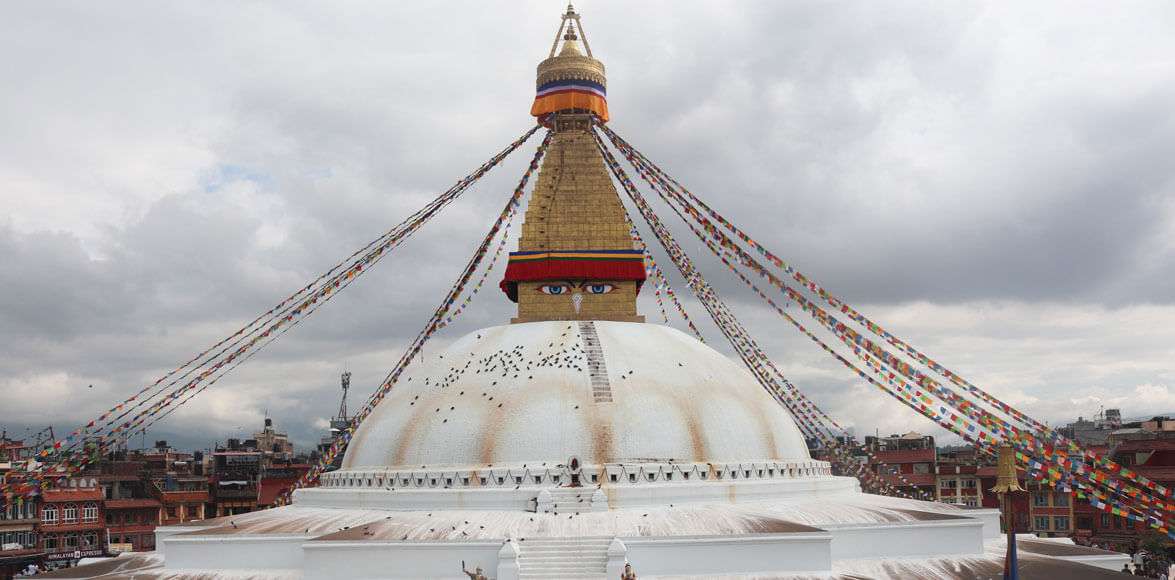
{"x":994,"y":183}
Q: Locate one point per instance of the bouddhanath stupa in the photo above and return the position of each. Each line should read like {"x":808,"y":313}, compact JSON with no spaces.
{"x":578,"y":438}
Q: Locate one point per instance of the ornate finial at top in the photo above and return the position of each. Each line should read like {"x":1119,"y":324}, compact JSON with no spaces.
{"x":570,"y":81}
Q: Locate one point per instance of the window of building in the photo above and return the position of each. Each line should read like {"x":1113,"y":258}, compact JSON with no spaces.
{"x":90,"y":540}
{"x":1084,"y":523}
{"x":69,"y":541}
{"x":1061,"y":499}
{"x":1061,"y":523}
{"x":69,"y":514}
{"x":1041,"y":523}
{"x":1106,"y":521}
{"x":1040,"y":499}
{"x":90,"y":512}
{"x":49,"y":514}
{"x":969,"y":484}
{"x":949,"y":484}
{"x":171,"y":512}
{"x":921,"y":468}
{"x":49,"y":542}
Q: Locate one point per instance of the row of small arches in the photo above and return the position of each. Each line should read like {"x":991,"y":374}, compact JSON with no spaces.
{"x":611,"y":473}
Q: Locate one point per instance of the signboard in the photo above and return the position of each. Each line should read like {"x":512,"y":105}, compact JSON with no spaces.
{"x":249,"y":459}
{"x":121,"y":547}
{"x":74,"y":555}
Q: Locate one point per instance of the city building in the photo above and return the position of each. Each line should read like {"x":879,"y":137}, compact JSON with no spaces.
{"x":1096,"y":431}
{"x":907,"y":462}
{"x":277,"y":480}
{"x":182,"y":497}
{"x":19,"y":533}
{"x":72,"y":523}
{"x":274,"y":446}
{"x":958,"y":482}
{"x":234,"y":478}
{"x":19,"y":512}
{"x":1050,"y":511}
{"x":161,"y":460}
{"x":131,"y":510}
{"x":1151,"y":457}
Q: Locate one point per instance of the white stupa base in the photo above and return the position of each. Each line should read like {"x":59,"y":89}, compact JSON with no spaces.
{"x":848,"y":534}
{"x":812,"y":527}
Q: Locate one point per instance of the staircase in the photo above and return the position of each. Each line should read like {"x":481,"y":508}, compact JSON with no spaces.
{"x":568,"y":500}
{"x":597,"y":370}
{"x":552,"y":558}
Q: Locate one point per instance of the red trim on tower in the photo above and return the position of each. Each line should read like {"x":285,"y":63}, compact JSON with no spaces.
{"x":526,"y":268}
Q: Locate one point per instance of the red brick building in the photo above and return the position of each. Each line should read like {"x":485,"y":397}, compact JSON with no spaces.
{"x":131,"y":514}
{"x":72,"y":523}
{"x":276,"y":480}
{"x":19,"y":530}
{"x":1152,"y":455}
{"x":959,"y":483}
{"x":234,"y":480}
{"x":184,"y":498}
{"x":907,"y":462}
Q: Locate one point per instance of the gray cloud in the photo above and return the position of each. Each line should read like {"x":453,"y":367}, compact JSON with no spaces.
{"x":167,"y":173}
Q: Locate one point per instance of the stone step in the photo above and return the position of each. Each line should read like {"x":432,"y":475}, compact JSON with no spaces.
{"x":563,"y":574}
{"x":545,"y":555}
{"x":532,"y":564}
{"x":524,"y":549}
{"x":571,"y":542}
{"x":560,"y":576}
{"x":557,"y":569}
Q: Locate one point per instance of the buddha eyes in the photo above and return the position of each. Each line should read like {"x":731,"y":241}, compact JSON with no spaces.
{"x":563,"y":289}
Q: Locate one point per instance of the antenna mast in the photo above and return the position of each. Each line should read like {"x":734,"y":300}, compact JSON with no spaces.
{"x":346,"y":383}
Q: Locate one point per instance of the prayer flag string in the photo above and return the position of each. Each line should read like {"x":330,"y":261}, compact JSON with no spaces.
{"x":439,"y":319}
{"x":71,"y":453}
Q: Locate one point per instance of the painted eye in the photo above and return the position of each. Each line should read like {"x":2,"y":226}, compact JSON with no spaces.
{"x":599,"y":288}
{"x":553,"y":289}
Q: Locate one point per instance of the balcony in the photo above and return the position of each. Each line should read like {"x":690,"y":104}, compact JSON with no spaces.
{"x":114,"y":504}
{"x":20,"y":552}
{"x":18,"y":524}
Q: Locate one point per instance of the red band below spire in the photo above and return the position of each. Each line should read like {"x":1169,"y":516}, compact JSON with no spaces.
{"x":572,"y":265}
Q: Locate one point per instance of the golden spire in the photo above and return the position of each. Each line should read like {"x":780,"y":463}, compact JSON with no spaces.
{"x":576,"y":258}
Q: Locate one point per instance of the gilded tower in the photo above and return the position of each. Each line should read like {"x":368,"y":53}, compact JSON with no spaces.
{"x":576,"y":259}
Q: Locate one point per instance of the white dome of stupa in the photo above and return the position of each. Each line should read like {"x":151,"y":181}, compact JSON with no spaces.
{"x":603,"y":392}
